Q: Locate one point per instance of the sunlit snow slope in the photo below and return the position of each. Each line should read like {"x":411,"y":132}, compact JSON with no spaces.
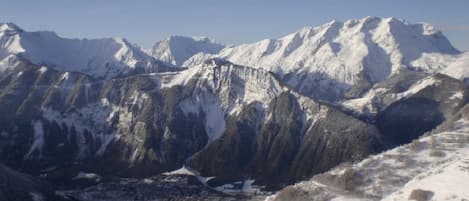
{"x":337,"y":56}
{"x":100,"y":58}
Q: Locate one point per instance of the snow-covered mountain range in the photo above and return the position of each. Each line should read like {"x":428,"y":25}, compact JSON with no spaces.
{"x":101,"y":58}
{"x":341,"y":57}
{"x":275,"y":111}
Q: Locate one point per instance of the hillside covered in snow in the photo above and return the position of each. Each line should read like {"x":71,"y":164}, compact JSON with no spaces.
{"x":433,"y":167}
{"x":100,"y":58}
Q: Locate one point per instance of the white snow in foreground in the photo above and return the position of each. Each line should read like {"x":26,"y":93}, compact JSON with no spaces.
{"x":448,"y":182}
{"x":438,"y":163}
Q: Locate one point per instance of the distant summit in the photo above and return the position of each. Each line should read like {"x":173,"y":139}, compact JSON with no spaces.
{"x":177,"y":49}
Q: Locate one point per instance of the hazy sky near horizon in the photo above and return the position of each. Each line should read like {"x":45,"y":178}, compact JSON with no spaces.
{"x":230,"y":22}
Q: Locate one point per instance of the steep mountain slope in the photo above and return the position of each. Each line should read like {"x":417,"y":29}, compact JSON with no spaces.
{"x":100,"y":58}
{"x":177,"y":49}
{"x":343,"y":59}
{"x":147,"y":124}
{"x":434,"y":167}
{"x":291,"y":138}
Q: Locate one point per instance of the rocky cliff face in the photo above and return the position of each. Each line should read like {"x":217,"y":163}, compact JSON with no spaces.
{"x":123,"y":126}
{"x":147,"y":124}
{"x":282,"y":144}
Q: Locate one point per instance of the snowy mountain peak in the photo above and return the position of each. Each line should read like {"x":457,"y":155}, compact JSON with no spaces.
{"x":339,"y":55}
{"x":101,"y":58}
{"x":177,"y":49}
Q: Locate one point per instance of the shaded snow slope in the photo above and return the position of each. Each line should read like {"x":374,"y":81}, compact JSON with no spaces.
{"x":177,"y":49}
{"x":100,"y":58}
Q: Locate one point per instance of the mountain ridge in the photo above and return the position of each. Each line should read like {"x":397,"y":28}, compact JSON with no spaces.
{"x":101,"y":58}
{"x":338,"y":55}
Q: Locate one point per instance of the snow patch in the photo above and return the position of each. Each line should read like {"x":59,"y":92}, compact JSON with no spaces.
{"x":424,"y":83}
{"x":214,"y":120}
{"x":89,"y":176}
{"x":459,"y":69}
{"x":35,"y":196}
{"x":43,"y":69}
{"x":148,"y":181}
{"x":181,"y":171}
{"x":180,"y":78}
{"x":38,"y":140}
{"x":457,"y":95}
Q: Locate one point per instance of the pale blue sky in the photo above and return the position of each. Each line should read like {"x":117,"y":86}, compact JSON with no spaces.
{"x":230,"y":22}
